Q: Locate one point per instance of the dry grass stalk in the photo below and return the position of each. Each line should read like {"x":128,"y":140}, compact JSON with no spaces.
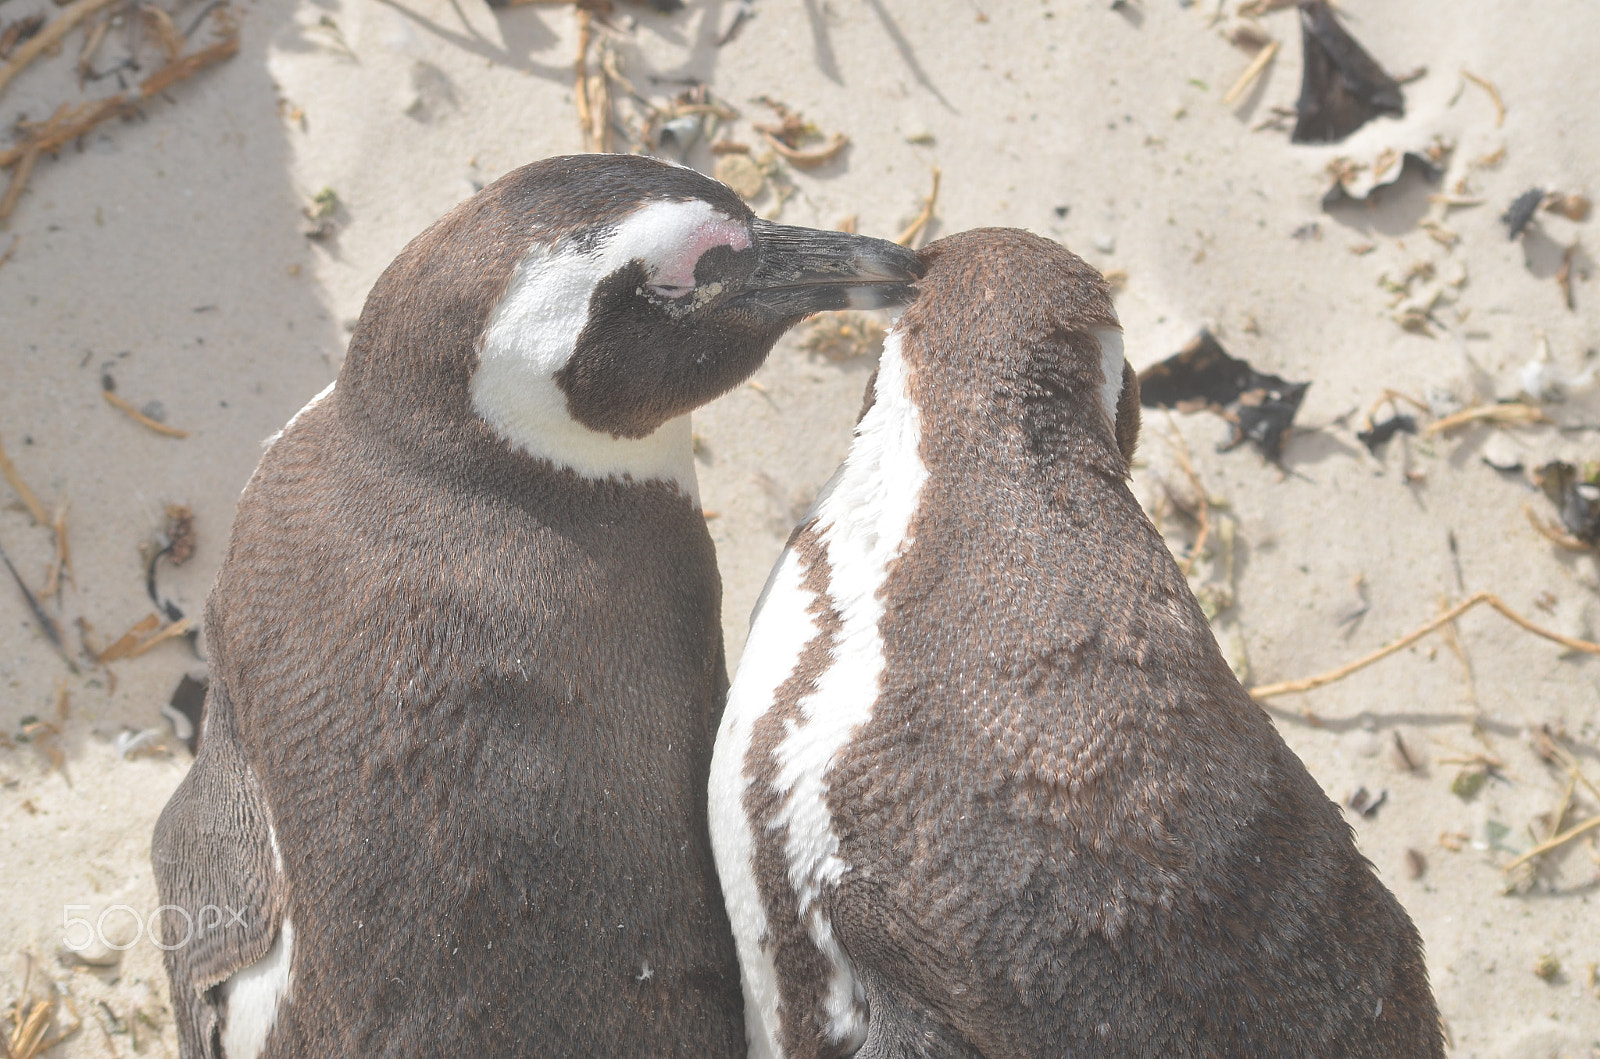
{"x":19,"y":183}
{"x":844,"y":336}
{"x":1499,"y":414}
{"x":28,"y":1036}
{"x":61,"y":562}
{"x":1554,"y":533}
{"x":50,"y":37}
{"x":14,"y":479}
{"x":808,"y":159}
{"x":91,"y":44}
{"x":121,"y":404}
{"x":580,"y":77}
{"x":915,"y":229}
{"x":43,"y":734}
{"x":178,"y":628}
{"x":1564,"y":277}
{"x":1202,"y":513}
{"x":128,"y":641}
{"x":1560,"y":840}
{"x":1286,"y":687}
{"x":1494,"y":94}
{"x":69,"y":123}
{"x":1251,"y":72}
{"x":165,"y":32}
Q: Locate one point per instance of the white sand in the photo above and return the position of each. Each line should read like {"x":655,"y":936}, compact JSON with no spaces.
{"x":170,"y":250}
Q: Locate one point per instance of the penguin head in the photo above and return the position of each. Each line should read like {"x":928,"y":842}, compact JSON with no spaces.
{"x":581,"y":303}
{"x":1008,"y":317}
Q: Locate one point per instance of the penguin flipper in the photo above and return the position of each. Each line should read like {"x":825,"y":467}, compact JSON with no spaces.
{"x":220,"y":878}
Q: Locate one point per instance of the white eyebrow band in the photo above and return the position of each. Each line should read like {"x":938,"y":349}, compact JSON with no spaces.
{"x":534,"y":330}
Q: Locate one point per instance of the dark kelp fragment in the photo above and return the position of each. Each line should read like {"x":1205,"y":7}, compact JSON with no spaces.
{"x":1576,"y":495}
{"x":186,"y":710}
{"x":1377,"y":433}
{"x":1521,"y":212}
{"x":1342,"y":88}
{"x":1203,"y":376}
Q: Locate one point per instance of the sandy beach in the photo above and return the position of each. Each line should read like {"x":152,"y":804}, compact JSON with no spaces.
{"x":208,"y":254}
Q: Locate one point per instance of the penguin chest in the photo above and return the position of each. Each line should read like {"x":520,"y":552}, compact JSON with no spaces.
{"x":808,"y":682}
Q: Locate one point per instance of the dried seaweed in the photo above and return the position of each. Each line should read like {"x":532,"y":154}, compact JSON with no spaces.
{"x":1377,"y":434}
{"x":186,"y":710}
{"x":1575,"y":493}
{"x":1202,"y":376}
{"x":69,"y":123}
{"x":1342,"y":87}
{"x":1521,"y":211}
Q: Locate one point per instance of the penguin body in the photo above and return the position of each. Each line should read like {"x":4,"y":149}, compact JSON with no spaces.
{"x":466,"y":650}
{"x":984,"y":785}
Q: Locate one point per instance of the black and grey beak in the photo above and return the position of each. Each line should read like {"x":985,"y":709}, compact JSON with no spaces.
{"x":800,"y":271}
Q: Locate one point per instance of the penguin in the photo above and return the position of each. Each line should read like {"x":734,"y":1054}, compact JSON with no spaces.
{"x":465,"y":644}
{"x":985,"y":786}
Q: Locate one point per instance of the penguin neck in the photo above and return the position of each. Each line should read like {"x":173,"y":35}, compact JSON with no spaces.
{"x":864,"y":514}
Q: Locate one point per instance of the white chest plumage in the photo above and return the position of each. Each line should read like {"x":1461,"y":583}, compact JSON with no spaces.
{"x":862,"y":519}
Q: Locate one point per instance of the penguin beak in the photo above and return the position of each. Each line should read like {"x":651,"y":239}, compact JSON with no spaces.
{"x":800,"y":271}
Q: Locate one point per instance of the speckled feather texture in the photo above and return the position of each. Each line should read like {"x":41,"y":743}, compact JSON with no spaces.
{"x":1065,"y":828}
{"x":477,"y":693}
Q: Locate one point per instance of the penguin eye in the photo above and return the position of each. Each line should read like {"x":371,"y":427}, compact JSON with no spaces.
{"x":671,"y":290}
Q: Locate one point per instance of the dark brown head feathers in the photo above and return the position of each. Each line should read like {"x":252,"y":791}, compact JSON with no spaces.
{"x":1026,"y":316}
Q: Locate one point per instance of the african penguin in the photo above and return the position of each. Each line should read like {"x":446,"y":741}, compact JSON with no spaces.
{"x":466,"y":652}
{"x":984,"y":785}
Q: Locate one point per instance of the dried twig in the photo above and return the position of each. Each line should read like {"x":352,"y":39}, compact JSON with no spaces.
{"x":1180,"y":449}
{"x":1564,"y":277}
{"x":27,"y":1038}
{"x":1560,"y":840}
{"x":1267,"y":691}
{"x":49,"y":37}
{"x":19,"y":182}
{"x":808,"y":159}
{"x":129,"y":641}
{"x":121,"y":404}
{"x":15,"y":239}
{"x":178,"y":628}
{"x":1251,"y":72}
{"x":67,"y":124}
{"x":916,"y":227}
{"x":1501,"y":414}
{"x":91,"y":44}
{"x":1554,"y":533}
{"x":1494,"y":94}
{"x":61,"y":563}
{"x":14,"y":479}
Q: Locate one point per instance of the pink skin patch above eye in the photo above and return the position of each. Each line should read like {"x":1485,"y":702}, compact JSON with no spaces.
{"x":674,"y":276}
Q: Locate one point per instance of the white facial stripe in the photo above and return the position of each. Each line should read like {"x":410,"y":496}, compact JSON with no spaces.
{"x":253,"y":996}
{"x":534,"y":330}
{"x":863,"y":517}
{"x":1111,"y":364}
{"x":780,"y":628}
